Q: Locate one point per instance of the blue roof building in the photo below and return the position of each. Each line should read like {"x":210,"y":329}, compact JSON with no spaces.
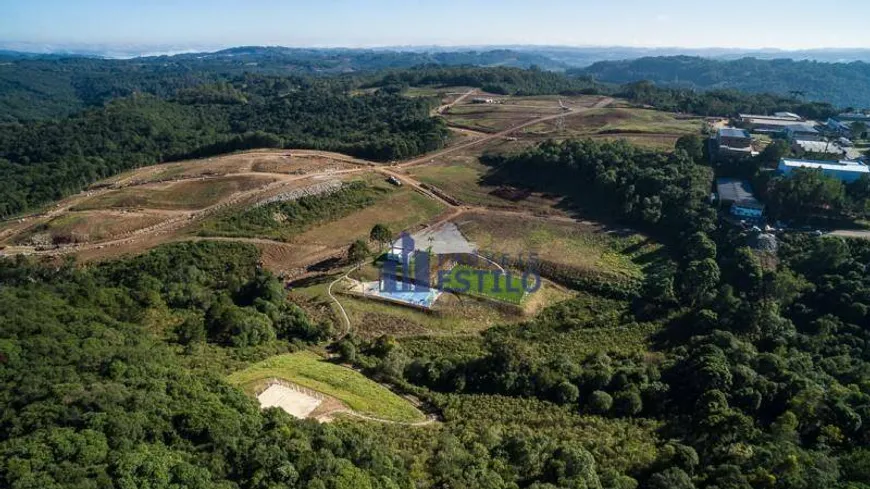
{"x":843,"y":170}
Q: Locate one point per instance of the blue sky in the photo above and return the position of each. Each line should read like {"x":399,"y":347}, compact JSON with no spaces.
{"x":797,"y":24}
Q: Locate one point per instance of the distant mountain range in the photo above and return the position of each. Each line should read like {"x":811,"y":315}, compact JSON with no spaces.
{"x":54,"y":82}
{"x":566,"y":56}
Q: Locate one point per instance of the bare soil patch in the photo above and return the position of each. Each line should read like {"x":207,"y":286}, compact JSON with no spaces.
{"x":183,"y":195}
{"x":90,"y":226}
{"x":294,"y":401}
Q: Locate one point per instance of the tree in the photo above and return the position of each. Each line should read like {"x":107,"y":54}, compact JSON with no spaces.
{"x":628,"y":402}
{"x":699,"y":246}
{"x":347,"y":350}
{"x":859,"y":193}
{"x":748,"y":273}
{"x":566,"y":393}
{"x":693,"y":145}
{"x":358,"y":251}
{"x":381,"y":234}
{"x":600,"y":402}
{"x":775,"y":151}
{"x":250,"y":328}
{"x":699,"y":279}
{"x":804,"y":191}
{"x":672,"y":478}
{"x":192,"y":330}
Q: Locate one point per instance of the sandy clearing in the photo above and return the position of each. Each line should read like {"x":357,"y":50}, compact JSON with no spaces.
{"x":294,"y":402}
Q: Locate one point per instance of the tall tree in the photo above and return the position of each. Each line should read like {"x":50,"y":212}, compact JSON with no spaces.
{"x":381,"y":234}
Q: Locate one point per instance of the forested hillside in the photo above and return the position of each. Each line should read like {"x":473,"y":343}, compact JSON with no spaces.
{"x":722,"y":103}
{"x":93,"y":395}
{"x":46,"y":160}
{"x":757,"y":372}
{"x":844,"y":85}
{"x":752,"y":376}
{"x":37,"y":87}
{"x":507,"y":81}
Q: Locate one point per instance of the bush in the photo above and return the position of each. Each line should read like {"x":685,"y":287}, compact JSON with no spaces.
{"x":600,"y":402}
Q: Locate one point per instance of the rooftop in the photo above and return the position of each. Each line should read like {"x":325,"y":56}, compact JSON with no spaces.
{"x":853,"y":116}
{"x":735,"y":190}
{"x":790,"y":115}
{"x":802,"y":128}
{"x":771,"y":121}
{"x":770,"y":117}
{"x":733,"y":132}
{"x":842,"y":165}
{"x":820,"y":147}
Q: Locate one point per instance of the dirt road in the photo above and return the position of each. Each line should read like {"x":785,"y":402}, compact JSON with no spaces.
{"x":502,"y":134}
{"x":183,"y":220}
{"x":441,"y":109}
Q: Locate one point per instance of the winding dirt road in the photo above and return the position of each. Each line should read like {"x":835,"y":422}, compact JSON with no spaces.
{"x":174,"y":224}
{"x":503,"y":134}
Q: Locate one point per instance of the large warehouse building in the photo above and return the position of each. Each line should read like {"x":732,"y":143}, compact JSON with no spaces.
{"x":843,"y":170}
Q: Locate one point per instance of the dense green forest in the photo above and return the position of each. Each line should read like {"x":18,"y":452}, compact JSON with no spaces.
{"x":761,"y":372}
{"x":842,"y":84}
{"x":113,"y":376}
{"x":724,"y":103}
{"x":38,"y":87}
{"x":500,"y":80}
{"x":46,"y":160}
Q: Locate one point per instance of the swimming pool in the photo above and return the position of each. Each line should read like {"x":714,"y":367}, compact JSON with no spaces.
{"x":423,"y":298}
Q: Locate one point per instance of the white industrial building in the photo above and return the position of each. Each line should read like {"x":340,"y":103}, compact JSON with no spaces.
{"x":843,"y":170}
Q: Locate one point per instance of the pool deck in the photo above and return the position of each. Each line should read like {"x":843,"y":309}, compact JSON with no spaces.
{"x":425,"y":299}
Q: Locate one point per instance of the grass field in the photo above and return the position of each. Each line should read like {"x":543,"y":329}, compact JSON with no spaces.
{"x":428,"y":347}
{"x":584,"y":325}
{"x":186,"y":195}
{"x":622,"y":121}
{"x":297,"y":165}
{"x":580,"y":343}
{"x":584,"y":247}
{"x":262,"y":161}
{"x":460,"y":177}
{"x":511,"y":111}
{"x":454,"y":314}
{"x":658,"y":142}
{"x":372,"y":318}
{"x":348,"y":386}
{"x":434,"y":91}
{"x":491,"y":285}
{"x":399,"y":209}
{"x":496,"y":117}
{"x":332,"y":220}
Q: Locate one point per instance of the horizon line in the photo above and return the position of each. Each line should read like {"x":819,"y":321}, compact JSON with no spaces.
{"x":57,"y":47}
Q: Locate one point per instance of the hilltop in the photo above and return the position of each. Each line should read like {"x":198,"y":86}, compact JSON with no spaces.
{"x":843,"y":84}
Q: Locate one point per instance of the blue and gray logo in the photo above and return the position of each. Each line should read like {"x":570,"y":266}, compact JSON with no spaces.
{"x":409,"y":269}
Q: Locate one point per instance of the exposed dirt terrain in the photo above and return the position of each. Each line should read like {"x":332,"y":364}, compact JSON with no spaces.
{"x":143,"y":208}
